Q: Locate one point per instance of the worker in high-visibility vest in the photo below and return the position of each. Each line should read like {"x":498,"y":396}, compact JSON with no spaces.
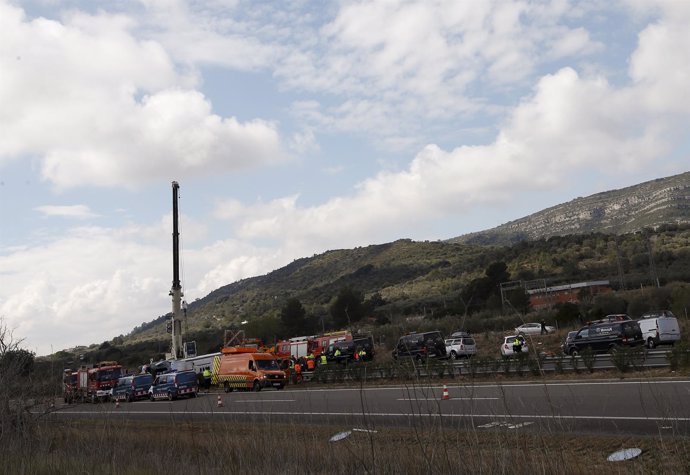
{"x":298,"y":373}
{"x":324,"y":361}
{"x":311,"y":362}
{"x":207,"y":378}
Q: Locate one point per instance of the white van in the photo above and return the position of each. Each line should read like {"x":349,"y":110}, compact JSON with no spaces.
{"x":659,"y":328}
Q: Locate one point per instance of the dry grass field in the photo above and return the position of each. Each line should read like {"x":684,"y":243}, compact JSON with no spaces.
{"x":107,"y":446}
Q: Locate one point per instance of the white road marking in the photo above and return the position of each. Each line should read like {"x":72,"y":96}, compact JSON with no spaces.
{"x":517,"y":426}
{"x":507,"y":425}
{"x":381,"y":414}
{"x":450,"y":399}
{"x":232,"y":401}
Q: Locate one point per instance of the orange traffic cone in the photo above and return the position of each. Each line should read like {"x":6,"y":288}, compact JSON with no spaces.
{"x":220,"y":401}
{"x":445,"y":395}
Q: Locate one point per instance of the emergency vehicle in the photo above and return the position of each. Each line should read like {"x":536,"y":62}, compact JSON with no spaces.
{"x":92,"y":383}
{"x":304,"y":345}
{"x":170,"y":386}
{"x":248,"y":371}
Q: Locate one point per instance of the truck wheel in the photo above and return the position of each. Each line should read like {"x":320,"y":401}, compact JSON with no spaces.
{"x":256,"y":387}
{"x":453,"y":355}
{"x":152,"y":397}
{"x":170,"y":396}
{"x":574,"y":352}
{"x":650,"y":343}
{"x":130,"y":397}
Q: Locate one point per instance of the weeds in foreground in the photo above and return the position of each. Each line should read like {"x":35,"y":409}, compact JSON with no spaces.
{"x":175,"y":446}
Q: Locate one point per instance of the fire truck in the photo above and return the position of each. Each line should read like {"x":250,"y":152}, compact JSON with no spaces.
{"x":91,"y":383}
{"x":304,"y":345}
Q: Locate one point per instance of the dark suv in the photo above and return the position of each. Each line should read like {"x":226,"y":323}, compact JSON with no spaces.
{"x":421,"y":346}
{"x":606,"y":337}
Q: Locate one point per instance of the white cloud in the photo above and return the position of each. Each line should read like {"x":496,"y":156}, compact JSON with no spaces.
{"x":418,"y":61}
{"x":72,"y":211}
{"x":97,"y":283}
{"x":569,"y":124}
{"x":102,"y":108}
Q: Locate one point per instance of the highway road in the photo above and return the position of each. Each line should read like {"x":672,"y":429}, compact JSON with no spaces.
{"x":602,"y":406}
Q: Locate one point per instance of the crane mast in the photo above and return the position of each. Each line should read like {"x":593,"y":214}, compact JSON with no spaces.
{"x":176,"y":291}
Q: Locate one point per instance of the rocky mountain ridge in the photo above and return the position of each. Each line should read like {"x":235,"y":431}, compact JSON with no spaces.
{"x":627,"y":210}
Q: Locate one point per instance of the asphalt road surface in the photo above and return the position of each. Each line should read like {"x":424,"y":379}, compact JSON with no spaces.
{"x":612,"y":406}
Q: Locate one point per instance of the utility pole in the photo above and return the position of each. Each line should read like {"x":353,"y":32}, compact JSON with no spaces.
{"x":176,"y":291}
{"x":652,"y":265}
{"x":621,"y":280}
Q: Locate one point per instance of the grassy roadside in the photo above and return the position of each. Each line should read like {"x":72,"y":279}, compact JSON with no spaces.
{"x":106,"y":446}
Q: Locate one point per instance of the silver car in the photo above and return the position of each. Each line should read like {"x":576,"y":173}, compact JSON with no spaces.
{"x":463,"y":347}
{"x":533,"y":329}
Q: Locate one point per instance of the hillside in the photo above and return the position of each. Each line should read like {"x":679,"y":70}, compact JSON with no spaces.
{"x":647,"y":205}
{"x":424,"y":279}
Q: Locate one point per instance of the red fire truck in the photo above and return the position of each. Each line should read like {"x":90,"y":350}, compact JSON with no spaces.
{"x":91,"y":383}
{"x":303,"y":346}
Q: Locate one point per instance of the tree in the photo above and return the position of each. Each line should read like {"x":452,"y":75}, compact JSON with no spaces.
{"x":347,"y":307}
{"x":16,"y":364}
{"x":519,"y":300}
{"x":497,"y":272}
{"x":607,"y":304}
{"x":567,"y":313}
{"x":484,"y":291}
{"x":18,"y":361}
{"x":293,"y":317}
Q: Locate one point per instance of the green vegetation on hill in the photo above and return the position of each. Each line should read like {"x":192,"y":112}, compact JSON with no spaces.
{"x":636,"y":237}
{"x":427,"y":280}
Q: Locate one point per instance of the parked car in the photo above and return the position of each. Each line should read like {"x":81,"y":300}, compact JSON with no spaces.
{"x":659,"y":328}
{"x":461,"y":347}
{"x":615,"y":317}
{"x":566,"y":342}
{"x":420,"y":346}
{"x":131,"y":388}
{"x":533,"y":329}
{"x":459,"y":334}
{"x":606,"y":337}
{"x":173,"y":385}
{"x":507,"y":345}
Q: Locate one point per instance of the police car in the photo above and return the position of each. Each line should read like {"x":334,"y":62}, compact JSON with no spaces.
{"x":173,"y":385}
{"x":130,"y":388}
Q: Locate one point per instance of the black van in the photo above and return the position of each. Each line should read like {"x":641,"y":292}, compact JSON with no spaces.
{"x":606,"y":337}
{"x":421,"y":346}
{"x":348,"y":349}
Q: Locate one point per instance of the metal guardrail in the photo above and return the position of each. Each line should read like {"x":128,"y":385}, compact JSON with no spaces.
{"x":622,"y":361}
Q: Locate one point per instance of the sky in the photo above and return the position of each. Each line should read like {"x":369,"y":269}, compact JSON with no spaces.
{"x":298,"y":127}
